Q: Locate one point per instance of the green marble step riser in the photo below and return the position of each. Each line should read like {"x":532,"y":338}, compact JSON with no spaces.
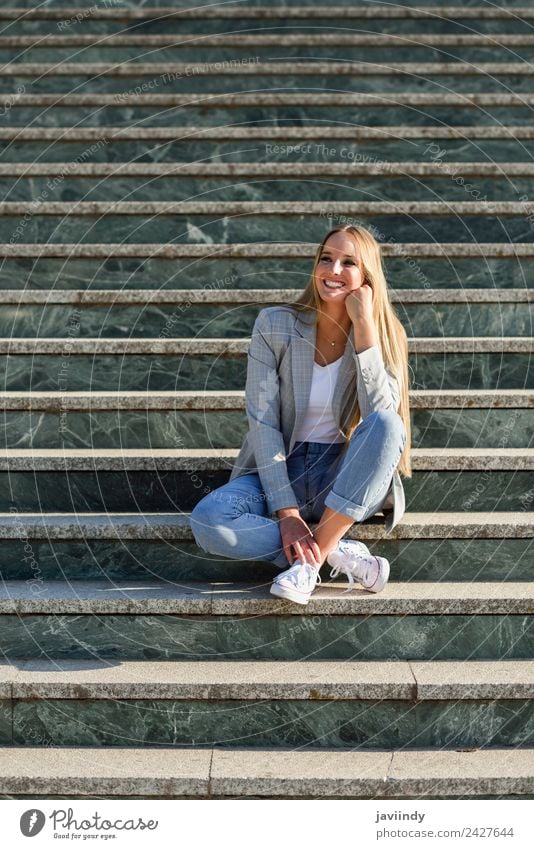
{"x":476,"y":428}
{"x":218,"y":81}
{"x":226,"y":320}
{"x":255,"y":227}
{"x":484,"y":272}
{"x":43,"y":372}
{"x":181,"y":28}
{"x":176,"y":561}
{"x":168,"y":492}
{"x":304,"y":723}
{"x":269,"y":149}
{"x":165,"y":637}
{"x":118,"y":115}
{"x":408,"y":51}
{"x":347,"y":187}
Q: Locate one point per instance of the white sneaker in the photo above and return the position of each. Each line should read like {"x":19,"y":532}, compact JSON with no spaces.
{"x":353,"y":559}
{"x":297,"y":583}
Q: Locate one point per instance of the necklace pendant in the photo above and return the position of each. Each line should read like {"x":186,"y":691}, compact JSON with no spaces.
{"x":332,"y":343}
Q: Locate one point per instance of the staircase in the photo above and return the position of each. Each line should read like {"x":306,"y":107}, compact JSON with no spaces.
{"x":165,"y":174}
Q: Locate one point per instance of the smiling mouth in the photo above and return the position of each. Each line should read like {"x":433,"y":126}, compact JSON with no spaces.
{"x":332,"y":284}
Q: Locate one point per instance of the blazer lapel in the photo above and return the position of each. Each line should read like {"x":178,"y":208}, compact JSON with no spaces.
{"x":302,"y":358}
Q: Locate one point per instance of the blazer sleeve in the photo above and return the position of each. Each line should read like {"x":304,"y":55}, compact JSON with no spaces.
{"x":262,"y":402}
{"x":377,"y":388}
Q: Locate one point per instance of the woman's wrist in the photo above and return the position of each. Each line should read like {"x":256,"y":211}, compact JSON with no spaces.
{"x":365,"y":334}
{"x":284,"y":512}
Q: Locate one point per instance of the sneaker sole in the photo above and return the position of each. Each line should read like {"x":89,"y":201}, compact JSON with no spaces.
{"x":282,"y":592}
{"x":383,"y":576}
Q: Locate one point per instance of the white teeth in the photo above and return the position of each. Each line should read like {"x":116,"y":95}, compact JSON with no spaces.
{"x":331,"y":285}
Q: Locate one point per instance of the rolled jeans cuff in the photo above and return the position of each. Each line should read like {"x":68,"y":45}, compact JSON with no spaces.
{"x":354,"y":511}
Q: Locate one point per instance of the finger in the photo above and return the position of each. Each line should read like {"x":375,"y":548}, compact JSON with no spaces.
{"x":317,"y":552}
{"x":300,"y":552}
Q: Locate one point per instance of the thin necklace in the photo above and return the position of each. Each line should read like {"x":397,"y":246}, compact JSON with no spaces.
{"x":333,"y":344}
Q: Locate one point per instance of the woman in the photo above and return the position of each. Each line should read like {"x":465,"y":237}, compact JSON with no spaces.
{"x":328,"y":411}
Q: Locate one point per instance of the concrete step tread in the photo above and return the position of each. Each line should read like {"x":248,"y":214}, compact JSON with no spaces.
{"x":283,"y":12}
{"x":280,"y":98}
{"x":243,"y":599}
{"x":190,"y":133}
{"x":181,"y":679}
{"x":239,"y":346}
{"x":319,"y":66}
{"x":176,"y":526}
{"x":253,"y":207}
{"x":280,"y":39}
{"x":246,"y":296}
{"x":265,"y":169}
{"x":291,"y":250}
{"x":212,"y":400}
{"x":176,"y":459}
{"x":284,"y":773}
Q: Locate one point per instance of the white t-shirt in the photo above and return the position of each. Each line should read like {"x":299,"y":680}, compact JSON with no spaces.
{"x":318,"y":424}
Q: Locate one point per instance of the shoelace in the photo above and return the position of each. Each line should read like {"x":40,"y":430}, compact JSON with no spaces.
{"x":346,"y":570}
{"x":301,"y":575}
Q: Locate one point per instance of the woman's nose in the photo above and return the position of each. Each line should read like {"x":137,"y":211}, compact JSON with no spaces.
{"x":338,"y":267}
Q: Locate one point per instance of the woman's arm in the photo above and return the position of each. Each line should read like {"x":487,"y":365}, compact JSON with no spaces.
{"x":377,"y":388}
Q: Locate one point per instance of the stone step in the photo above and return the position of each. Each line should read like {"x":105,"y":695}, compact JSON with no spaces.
{"x":445,"y":369}
{"x":472,"y":219}
{"x":280,"y":39}
{"x":323,"y":209}
{"x":161,"y":620}
{"x":367,"y":108}
{"x":238,"y":347}
{"x":213,"y":680}
{"x":246,"y":680}
{"x":67,"y":427}
{"x":204,"y":12}
{"x":391,"y":143}
{"x":175,"y":70}
{"x":423,"y":547}
{"x":268,"y":703}
{"x":408,"y":50}
{"x":158,"y":266}
{"x":150,"y":483}
{"x":175,"y":526}
{"x":212,"y":400}
{"x":490,"y":170}
{"x":216,"y":459}
{"x":151,"y":597}
{"x":396,"y":190}
{"x":289,"y":250}
{"x":109,"y":135}
{"x":214,"y":314}
{"x":204,"y":773}
{"x":248,"y":74}
{"x":248,"y":296}
{"x":262,"y":98}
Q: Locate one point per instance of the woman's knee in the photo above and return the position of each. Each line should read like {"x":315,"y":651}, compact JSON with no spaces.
{"x":388,"y":423}
{"x":204,"y":515}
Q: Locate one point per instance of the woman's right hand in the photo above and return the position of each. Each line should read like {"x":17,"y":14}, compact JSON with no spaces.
{"x":297,"y":539}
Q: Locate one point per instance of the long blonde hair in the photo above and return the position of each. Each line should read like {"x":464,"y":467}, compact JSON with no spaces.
{"x":392,"y":338}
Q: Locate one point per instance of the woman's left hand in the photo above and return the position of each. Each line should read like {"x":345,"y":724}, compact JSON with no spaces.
{"x":359,"y":303}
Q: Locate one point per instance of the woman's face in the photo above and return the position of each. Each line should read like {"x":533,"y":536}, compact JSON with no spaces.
{"x":339,"y":263}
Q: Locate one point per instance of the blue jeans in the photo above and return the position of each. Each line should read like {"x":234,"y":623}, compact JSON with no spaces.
{"x":233,"y":520}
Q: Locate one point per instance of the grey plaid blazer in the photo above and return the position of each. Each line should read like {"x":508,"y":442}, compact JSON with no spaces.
{"x":279,"y":376}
